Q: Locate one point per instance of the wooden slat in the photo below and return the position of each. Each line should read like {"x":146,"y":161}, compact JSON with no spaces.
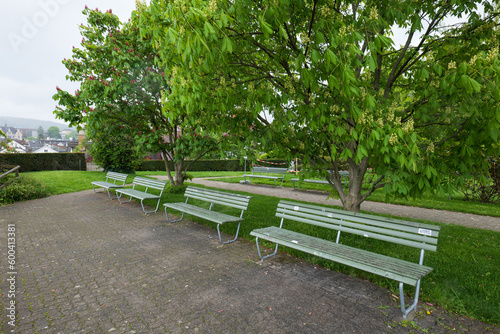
{"x":276,"y":170}
{"x":400,"y":270}
{"x":335,"y":223}
{"x":232,"y":200}
{"x":116,"y":176}
{"x":213,"y":216}
{"x":105,"y":184}
{"x":156,"y":184}
{"x":404,"y":224}
{"x":137,"y":194}
{"x":365,"y":233}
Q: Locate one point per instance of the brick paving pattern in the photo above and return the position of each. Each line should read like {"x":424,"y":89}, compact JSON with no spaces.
{"x":86,"y":264}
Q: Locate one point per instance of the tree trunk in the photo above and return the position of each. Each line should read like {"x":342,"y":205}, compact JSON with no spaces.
{"x":179,"y":174}
{"x":167,"y":167}
{"x":353,"y":199}
{"x":352,"y":202}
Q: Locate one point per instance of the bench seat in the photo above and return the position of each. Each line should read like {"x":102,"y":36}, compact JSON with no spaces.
{"x":342,"y":174}
{"x":416,"y":236}
{"x":215,"y":198}
{"x":213,"y":216}
{"x":119,"y":180}
{"x":310,"y":181}
{"x":138,"y":194}
{"x":264,"y":176}
{"x":386,"y":266}
{"x":146,"y":186}
{"x":259,"y":172}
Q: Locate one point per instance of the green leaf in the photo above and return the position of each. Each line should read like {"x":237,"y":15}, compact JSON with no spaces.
{"x":462,"y":68}
{"x":266,"y":28}
{"x":208,"y":29}
{"x":315,"y":56}
{"x":331,"y":58}
{"x":227,"y":45}
{"x":372,"y":65}
{"x":333,"y":82}
{"x":320,"y":38}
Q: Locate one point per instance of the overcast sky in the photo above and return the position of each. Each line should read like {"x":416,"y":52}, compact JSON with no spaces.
{"x":35,"y":36}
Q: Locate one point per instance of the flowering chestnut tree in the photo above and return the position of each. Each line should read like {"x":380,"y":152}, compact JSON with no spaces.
{"x":123,"y":89}
{"x":326,"y":81}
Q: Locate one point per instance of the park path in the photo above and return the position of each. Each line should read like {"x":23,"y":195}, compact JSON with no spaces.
{"x":465,"y":219}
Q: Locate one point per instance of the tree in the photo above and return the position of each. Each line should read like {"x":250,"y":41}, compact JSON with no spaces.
{"x":73,"y":135}
{"x":54,"y":132}
{"x":41,"y":134}
{"x":123,"y":87}
{"x":4,"y":141}
{"x":339,"y":90}
{"x":114,"y":149}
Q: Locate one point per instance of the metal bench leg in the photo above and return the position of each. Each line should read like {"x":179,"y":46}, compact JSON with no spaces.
{"x":260,"y":254}
{"x":402,"y":298}
{"x":120,"y":196}
{"x":109,"y":194}
{"x":230,"y":241}
{"x":103,"y":190}
{"x":97,"y":192}
{"x":149,"y":211}
{"x":173,"y":221}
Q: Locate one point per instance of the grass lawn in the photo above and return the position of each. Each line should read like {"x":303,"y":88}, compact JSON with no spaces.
{"x":466,"y":265}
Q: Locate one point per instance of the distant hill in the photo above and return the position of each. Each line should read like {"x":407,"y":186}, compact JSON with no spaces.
{"x":29,"y":123}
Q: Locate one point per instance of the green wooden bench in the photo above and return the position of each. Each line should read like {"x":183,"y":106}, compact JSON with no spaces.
{"x":113,"y":181}
{"x":213,"y":197}
{"x":421,"y":236}
{"x":263,"y":172}
{"x":143,"y":188}
{"x":342,"y":174}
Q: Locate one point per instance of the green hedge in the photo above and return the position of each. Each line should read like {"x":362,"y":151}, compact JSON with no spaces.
{"x":197,"y":166}
{"x":202,"y":165}
{"x":36,"y":162}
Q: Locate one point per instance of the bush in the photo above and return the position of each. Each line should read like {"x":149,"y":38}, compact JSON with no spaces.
{"x":488,"y":192}
{"x":22,"y":189}
{"x":198,"y":166}
{"x":115,"y":151}
{"x":176,"y":189}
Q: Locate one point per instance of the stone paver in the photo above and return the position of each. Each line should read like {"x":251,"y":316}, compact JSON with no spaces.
{"x":86,"y":264}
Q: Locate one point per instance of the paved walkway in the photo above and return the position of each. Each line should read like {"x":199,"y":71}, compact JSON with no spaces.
{"x":86,"y":264}
{"x":469,"y":220}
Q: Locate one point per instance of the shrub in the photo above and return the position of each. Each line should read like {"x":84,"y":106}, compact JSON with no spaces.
{"x":489,"y":192}
{"x":115,"y":151}
{"x":176,"y":189}
{"x":22,"y":189}
{"x":198,"y":166}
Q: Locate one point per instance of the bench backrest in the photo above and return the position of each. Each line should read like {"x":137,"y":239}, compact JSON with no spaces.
{"x":149,"y":183}
{"x":342,"y":173}
{"x":267,"y":170}
{"x":218,"y":197}
{"x":116,"y":177}
{"x":422,"y":236}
